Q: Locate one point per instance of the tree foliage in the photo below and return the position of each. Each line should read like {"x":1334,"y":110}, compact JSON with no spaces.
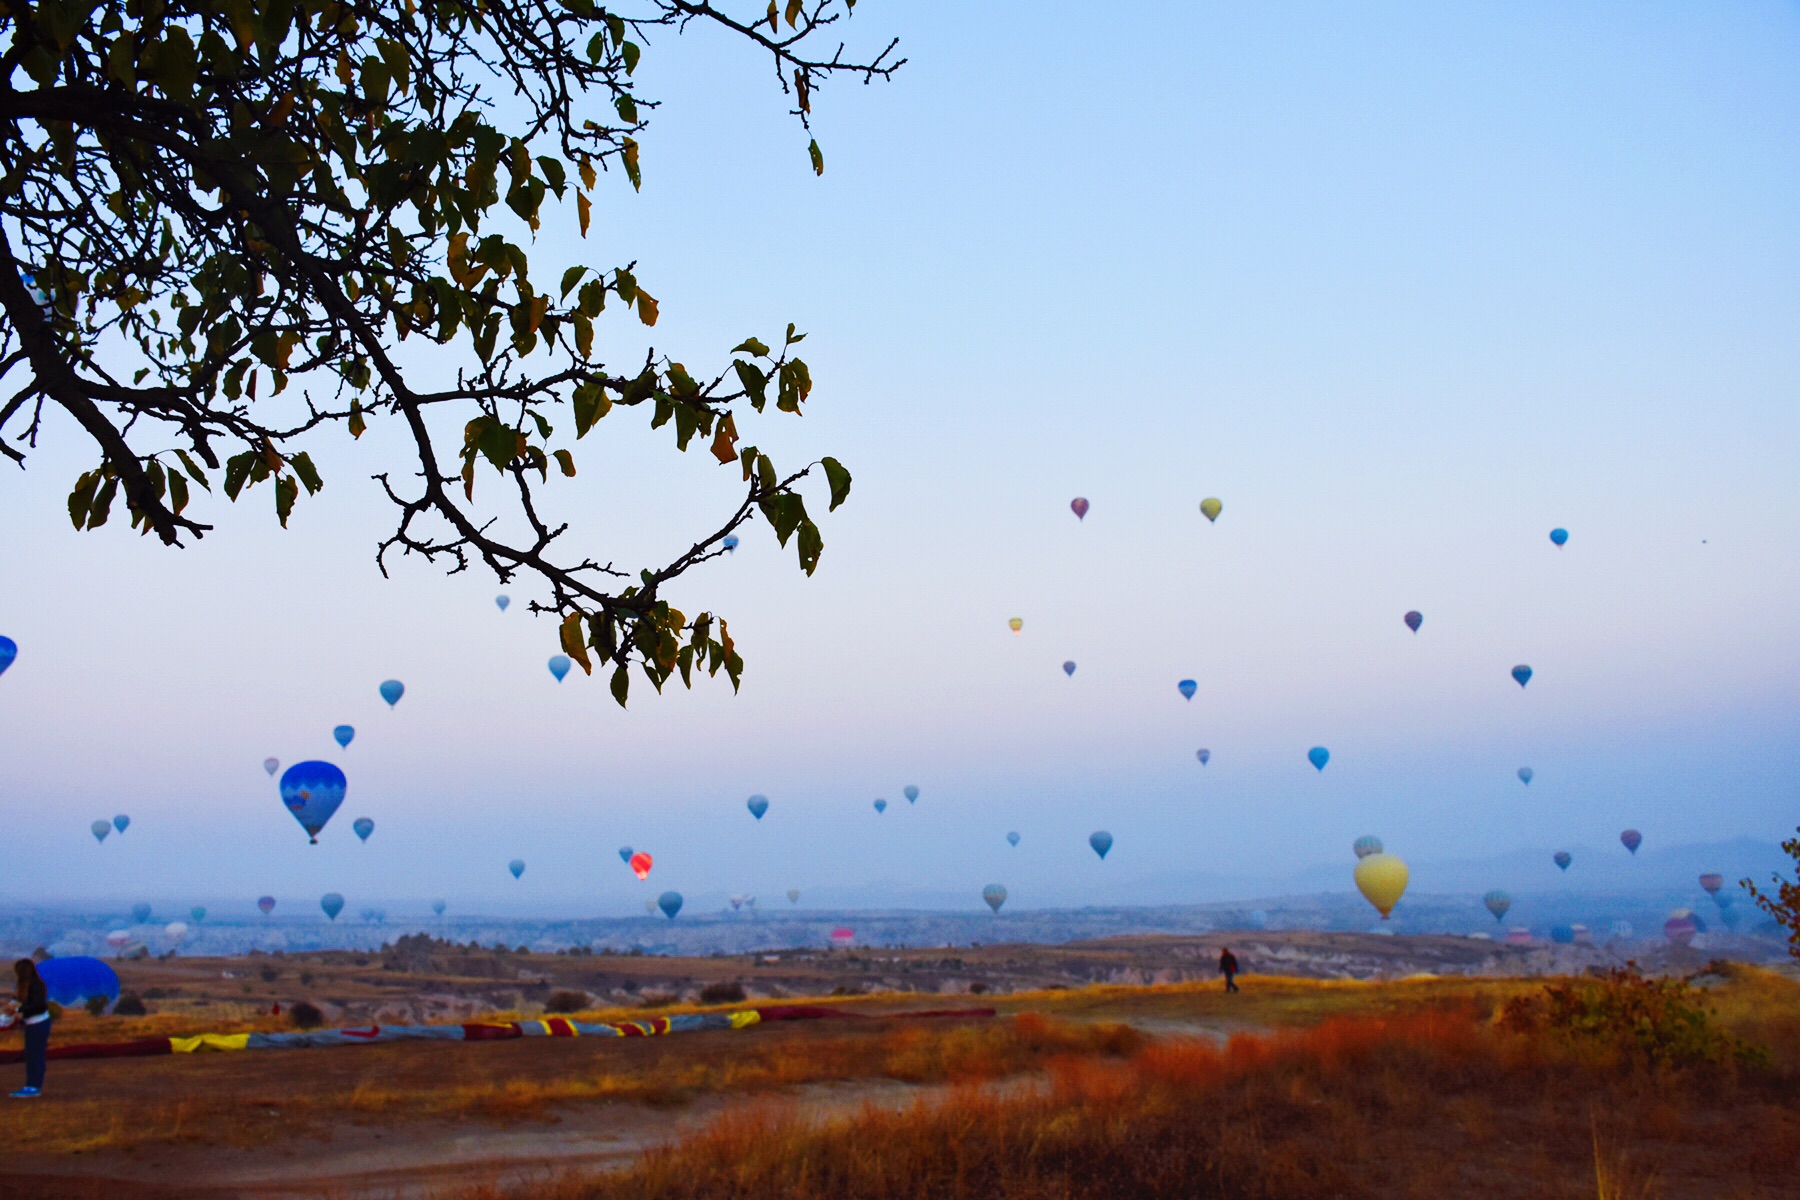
{"x":220,"y":218}
{"x":1783,"y":902}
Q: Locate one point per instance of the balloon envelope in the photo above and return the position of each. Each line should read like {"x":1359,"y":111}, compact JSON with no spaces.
{"x":175,"y":930}
{"x":758,"y":805}
{"x":1712,"y":881}
{"x":995,"y":895}
{"x":1525,"y":775}
{"x":1381,"y":878}
{"x":517,"y":867}
{"x":1631,"y":839}
{"x":881,"y":806}
{"x":271,"y":765}
{"x":267,"y":904}
{"x":312,"y":791}
{"x":1079,"y":506}
{"x":559,"y":666}
{"x":100,"y":829}
{"x":1205,"y":756}
{"x":1522,"y":673}
{"x":793,"y":895}
{"x":842,"y":936}
{"x":71,"y":981}
{"x":332,"y":903}
{"x":624,"y":854}
{"x":438,"y":907}
{"x":1562,"y":858}
{"x":1068,"y":668}
{"x":1187,"y":688}
{"x":1318,"y":756}
{"x":911,"y":792}
{"x":9,"y":650}
{"x":140,"y":912}
{"x":1414,"y":620}
{"x":1562,"y":935}
{"x":1101,"y":841}
{"x":1559,"y":536}
{"x":731,"y":542}
{"x":1015,"y":624}
{"x":343,"y":734}
{"x":392,"y":690}
{"x":640,"y":864}
{"x":1210,"y":508}
{"x":1680,"y":929}
{"x":502,"y":600}
{"x":363,"y":827}
{"x":1366,"y":845}
{"x":670,"y":903}
{"x":197,"y":913}
{"x":120,"y":822}
{"x":1497,"y":902}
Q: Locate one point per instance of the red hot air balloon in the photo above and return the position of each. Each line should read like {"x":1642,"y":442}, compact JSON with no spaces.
{"x":640,"y":864}
{"x":1631,"y":839}
{"x":842,"y":937}
{"x":1079,"y":507}
{"x":1712,"y":881}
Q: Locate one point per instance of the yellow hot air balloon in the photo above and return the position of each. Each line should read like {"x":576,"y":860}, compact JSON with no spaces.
{"x":1381,"y":878}
{"x":1015,"y":624}
{"x":1210,"y":508}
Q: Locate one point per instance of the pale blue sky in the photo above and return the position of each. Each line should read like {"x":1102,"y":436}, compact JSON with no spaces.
{"x":1404,"y":285}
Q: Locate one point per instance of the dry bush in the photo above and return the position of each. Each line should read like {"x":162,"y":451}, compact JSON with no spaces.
{"x":305,"y":1015}
{"x":1656,"y":1022}
{"x":565,"y":1001}
{"x":722,"y":993}
{"x":129,"y":1004}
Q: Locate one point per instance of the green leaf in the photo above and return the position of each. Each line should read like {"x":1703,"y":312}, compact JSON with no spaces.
{"x":630,"y":52}
{"x":751,"y":345}
{"x":591,"y":403}
{"x":356,"y":423}
{"x":811,"y":546}
{"x":572,"y":642}
{"x":101,"y":508}
{"x":839,"y":479}
{"x":82,"y":497}
{"x":178,"y":491}
{"x":194,"y":472}
{"x":818,"y":157}
{"x":309,"y":474}
{"x":287,"y":490}
{"x":237,"y":471}
{"x":570,"y":278}
{"x":754,"y":381}
{"x":621,"y":684}
{"x":566,"y":461}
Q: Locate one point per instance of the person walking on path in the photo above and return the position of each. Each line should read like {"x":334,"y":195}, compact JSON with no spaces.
{"x":1228,"y":967}
{"x":34,"y":1014}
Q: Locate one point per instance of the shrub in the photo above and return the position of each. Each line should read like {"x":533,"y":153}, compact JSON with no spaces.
{"x":566,"y":1002}
{"x":1661,"y":1022}
{"x":95,"y":1005}
{"x":722,"y":993}
{"x":270,"y":973}
{"x":129,"y":1004}
{"x":305,"y":1015}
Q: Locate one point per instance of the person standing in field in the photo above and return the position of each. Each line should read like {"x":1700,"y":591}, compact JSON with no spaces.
{"x":34,"y":1015}
{"x":1228,"y":967}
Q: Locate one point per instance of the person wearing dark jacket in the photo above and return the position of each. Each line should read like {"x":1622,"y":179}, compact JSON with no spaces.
{"x":34,"y":1015}
{"x":1228,"y":967}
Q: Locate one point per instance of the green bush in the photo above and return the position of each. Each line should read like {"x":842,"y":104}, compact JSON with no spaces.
{"x":1657,"y":1022}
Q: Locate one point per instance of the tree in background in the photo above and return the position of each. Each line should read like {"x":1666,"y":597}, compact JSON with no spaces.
{"x":1784,"y":905}
{"x":220,"y":218}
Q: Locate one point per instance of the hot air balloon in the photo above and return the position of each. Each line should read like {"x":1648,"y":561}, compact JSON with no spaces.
{"x":1079,"y":507}
{"x":650,"y":906}
{"x":1210,"y":508}
{"x":1497,"y":902}
{"x":1631,"y":839}
{"x":624,"y":854}
{"x":1015,"y":624}
{"x":842,"y":937}
{"x":1381,"y":878}
{"x":995,"y":895}
{"x":438,"y":907}
{"x":559,"y":666}
{"x":1187,"y":688}
{"x":197,"y":913}
{"x":392,"y":690}
{"x":1101,"y":841}
{"x":100,"y":829}
{"x":1366,"y":845}
{"x":881,"y":806}
{"x":1318,"y":756}
{"x":1522,"y":673}
{"x":1712,"y":881}
{"x":502,"y":600}
{"x":1562,"y":935}
{"x":640,"y":864}
{"x":121,"y":822}
{"x":175,"y":930}
{"x":271,"y":765}
{"x":74,"y":980}
{"x":517,"y":867}
{"x":267,"y":904}
{"x":911,"y":792}
{"x":758,"y":805}
{"x":1205,"y":756}
{"x":1413,"y":620}
{"x":312,"y":791}
{"x":1559,"y":536}
{"x":1562,"y":858}
{"x":9,"y":650}
{"x":793,"y":895}
{"x":332,"y":903}
{"x":1681,"y":927}
{"x":1525,"y":775}
{"x":118,"y":939}
{"x":1068,"y":668}
{"x":730,"y":543}
{"x":670,"y":903}
{"x":140,"y":912}
{"x":1012,"y":839}
{"x":342,"y":734}
{"x":363,"y":827}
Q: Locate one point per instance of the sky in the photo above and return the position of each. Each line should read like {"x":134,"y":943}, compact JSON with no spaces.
{"x":1405,"y":286}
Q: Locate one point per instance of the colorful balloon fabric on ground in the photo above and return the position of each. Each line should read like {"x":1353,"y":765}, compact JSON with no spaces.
{"x":343,"y":735}
{"x":1101,"y":841}
{"x":1381,"y":878}
{"x":517,"y":867}
{"x":995,"y":895}
{"x":1562,"y":859}
{"x":271,"y":765}
{"x":121,"y":822}
{"x":392,"y":690}
{"x":670,"y":903}
{"x":1210,"y":508}
{"x":9,"y":650}
{"x":1522,"y":674}
{"x":1012,"y":839}
{"x":140,"y":912}
{"x":1413,"y":621}
{"x":1631,"y":839}
{"x":1559,"y":536}
{"x":1497,"y":902}
{"x":1318,"y":756}
{"x":1079,"y":506}
{"x":911,"y":792}
{"x":1526,"y":775}
{"x":312,"y":791}
{"x":758,"y":805}
{"x":363,"y":827}
{"x":72,"y":981}
{"x":640,"y":864}
{"x":1068,"y":668}
{"x":1205,"y":756}
{"x":1366,"y":845}
{"x":559,"y":666}
{"x":1187,"y":688}
{"x":881,"y":806}
{"x":267,"y":904}
{"x":502,"y":600}
{"x":332,"y":903}
{"x":1015,"y":624}
{"x":100,"y":829}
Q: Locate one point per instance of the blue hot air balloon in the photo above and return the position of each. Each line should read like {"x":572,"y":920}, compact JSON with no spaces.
{"x":559,"y":666}
{"x":121,"y":822}
{"x":363,"y":827}
{"x":392,"y":690}
{"x":758,"y":805}
{"x":9,"y":650}
{"x":502,"y":600}
{"x":1522,"y":673}
{"x":995,"y":895}
{"x":271,"y":765}
{"x":1101,"y":841}
{"x":517,"y":867}
{"x":881,"y":806}
{"x":1497,"y":902}
{"x":730,"y":543}
{"x":1559,"y":535}
{"x":72,"y":981}
{"x":140,"y":912}
{"x":197,"y":913}
{"x":1562,"y":935}
{"x":1526,"y":775}
{"x":670,"y":903}
{"x":438,"y":907}
{"x":1366,"y":845}
{"x":1562,"y":858}
{"x":624,"y":854}
{"x":911,"y":792}
{"x":343,"y":734}
{"x":1205,"y":756}
{"x":100,"y":829}
{"x":1318,"y":756}
{"x":1068,"y":668}
{"x":312,"y":791}
{"x":1012,"y":839}
{"x":332,"y":903}
{"x":1187,"y":688}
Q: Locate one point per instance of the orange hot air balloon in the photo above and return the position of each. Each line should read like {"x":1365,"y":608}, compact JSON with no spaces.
{"x":640,"y":864}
